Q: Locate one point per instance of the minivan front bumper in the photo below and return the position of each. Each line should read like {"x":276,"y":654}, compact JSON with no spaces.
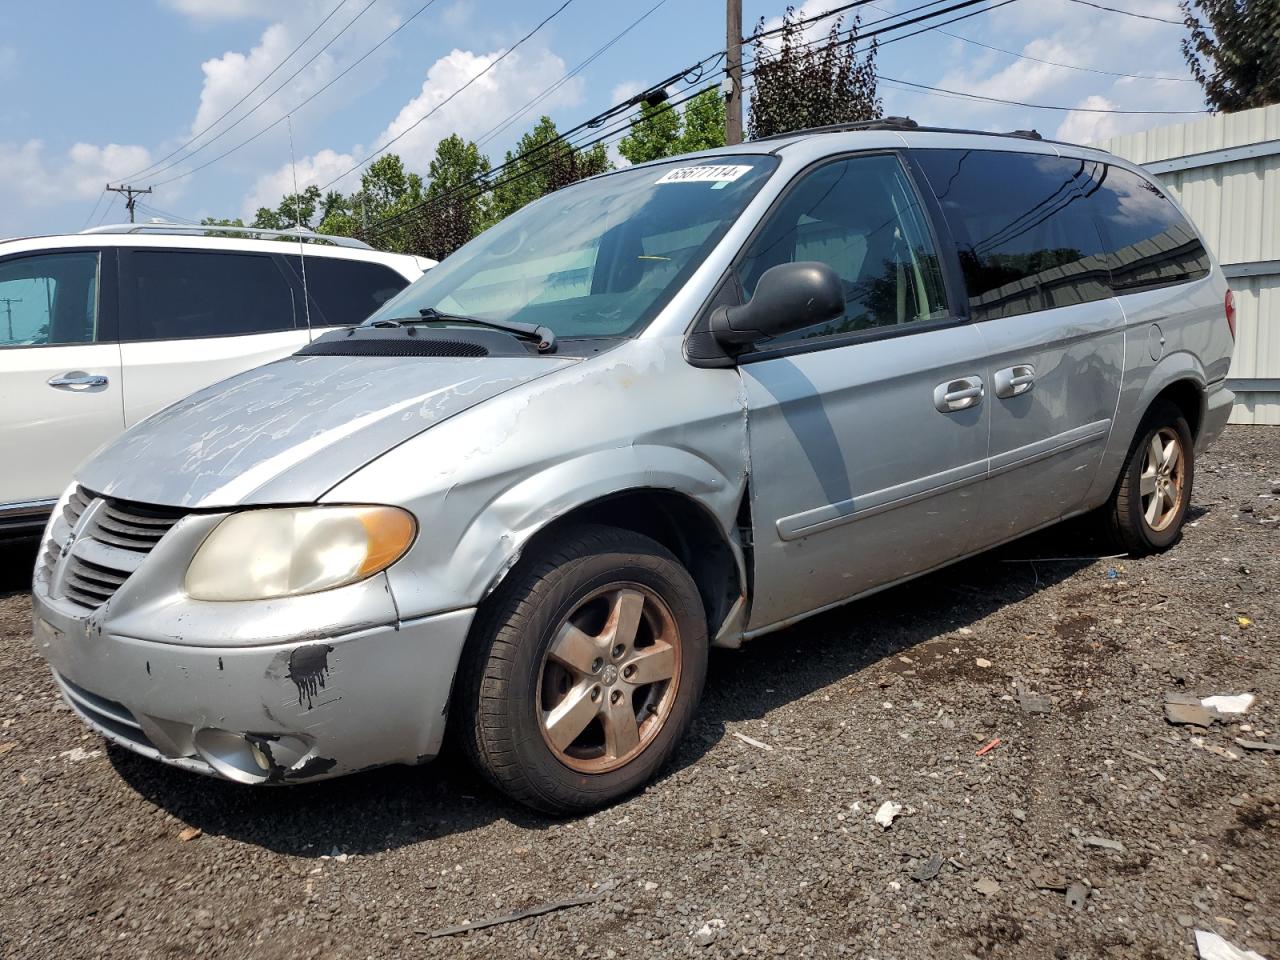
{"x":283,"y":712}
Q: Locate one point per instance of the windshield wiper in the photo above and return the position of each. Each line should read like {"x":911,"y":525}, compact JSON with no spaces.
{"x":544,"y":336}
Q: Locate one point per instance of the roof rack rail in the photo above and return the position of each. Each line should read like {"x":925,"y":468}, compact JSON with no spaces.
{"x":904,"y":123}
{"x":883,"y":123}
{"x":200,"y":230}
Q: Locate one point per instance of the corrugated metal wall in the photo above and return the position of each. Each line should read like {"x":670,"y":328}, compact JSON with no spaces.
{"x":1225,"y":171}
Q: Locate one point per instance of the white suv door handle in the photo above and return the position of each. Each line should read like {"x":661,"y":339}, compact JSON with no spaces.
{"x":959,"y":394}
{"x":78,"y":380}
{"x":1015,"y":380}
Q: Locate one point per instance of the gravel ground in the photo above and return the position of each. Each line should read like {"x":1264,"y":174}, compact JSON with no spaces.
{"x":761,"y":838}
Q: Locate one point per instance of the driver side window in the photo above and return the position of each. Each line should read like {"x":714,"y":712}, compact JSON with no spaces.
{"x":862,"y":217}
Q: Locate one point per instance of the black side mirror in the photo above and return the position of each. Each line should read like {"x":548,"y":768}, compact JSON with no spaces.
{"x":788,"y":297}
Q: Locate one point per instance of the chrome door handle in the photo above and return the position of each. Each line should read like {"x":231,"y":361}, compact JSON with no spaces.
{"x":78,"y":380}
{"x":959,"y":394}
{"x":1015,"y":380}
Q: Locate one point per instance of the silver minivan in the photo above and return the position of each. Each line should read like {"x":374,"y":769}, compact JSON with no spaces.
{"x":679,"y":405}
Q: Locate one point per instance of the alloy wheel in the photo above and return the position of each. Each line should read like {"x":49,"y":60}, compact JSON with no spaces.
{"x":609,"y":678}
{"x":1162,"y":479}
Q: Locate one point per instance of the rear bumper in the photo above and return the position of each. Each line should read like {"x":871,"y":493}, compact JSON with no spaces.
{"x":1217,"y":410}
{"x":284,"y":712}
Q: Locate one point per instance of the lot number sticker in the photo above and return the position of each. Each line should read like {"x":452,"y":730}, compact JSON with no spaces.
{"x":720,"y":173}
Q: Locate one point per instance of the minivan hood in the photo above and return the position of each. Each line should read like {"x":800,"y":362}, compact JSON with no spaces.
{"x":288,"y":431}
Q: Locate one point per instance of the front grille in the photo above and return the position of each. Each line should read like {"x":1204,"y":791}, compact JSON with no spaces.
{"x":112,"y":544}
{"x":132,"y":526}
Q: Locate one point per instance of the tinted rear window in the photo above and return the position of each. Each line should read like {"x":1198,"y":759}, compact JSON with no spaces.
{"x":1022,"y":224}
{"x":345,"y":292}
{"x":178,"y":294}
{"x":1148,"y":242}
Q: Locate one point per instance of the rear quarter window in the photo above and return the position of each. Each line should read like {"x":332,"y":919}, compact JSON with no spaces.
{"x":345,"y":292}
{"x":1024,"y":231}
{"x":182,"y":294}
{"x":1149,"y":243}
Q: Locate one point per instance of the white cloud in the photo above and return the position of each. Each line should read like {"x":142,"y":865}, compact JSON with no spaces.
{"x":231,"y":76}
{"x":36,"y":182}
{"x":227,"y":9}
{"x":482,"y":106}
{"x":315,"y":170}
{"x":625,"y":90}
{"x":1077,"y":127}
{"x":34,"y":179}
{"x":1067,"y":33}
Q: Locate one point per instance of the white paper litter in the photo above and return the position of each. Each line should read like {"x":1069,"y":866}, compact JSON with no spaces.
{"x":1237,"y":703}
{"x":888,"y":812}
{"x":1213,"y":947}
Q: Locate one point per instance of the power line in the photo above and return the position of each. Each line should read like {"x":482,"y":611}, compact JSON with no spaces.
{"x":103,"y":219}
{"x":385,"y":224}
{"x":1129,"y":13}
{"x":256,"y":88}
{"x":1038,"y":106}
{"x":800,"y":23}
{"x":97,"y":203}
{"x":620,"y":130}
{"x":493,"y":63}
{"x":504,"y":124}
{"x":275,"y":123}
{"x":1051,"y":63}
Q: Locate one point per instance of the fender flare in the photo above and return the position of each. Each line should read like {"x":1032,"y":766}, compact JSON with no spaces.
{"x":497,"y":537}
{"x":1132,"y":407}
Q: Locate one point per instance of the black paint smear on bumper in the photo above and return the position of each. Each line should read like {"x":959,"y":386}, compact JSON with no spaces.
{"x":308,"y":669}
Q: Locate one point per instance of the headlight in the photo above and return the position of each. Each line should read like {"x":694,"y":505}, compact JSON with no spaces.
{"x":262,"y":554}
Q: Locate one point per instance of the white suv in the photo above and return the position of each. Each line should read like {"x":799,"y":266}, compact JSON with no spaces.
{"x":103,"y":328}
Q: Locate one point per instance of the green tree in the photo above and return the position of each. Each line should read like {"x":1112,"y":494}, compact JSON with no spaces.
{"x":654,"y":136}
{"x":1235,"y":55}
{"x":457,"y":206}
{"x":804,"y":85}
{"x":662,"y":131}
{"x":387,"y":190}
{"x":703,"y":122}
{"x":221,"y":222}
{"x":539,"y":165}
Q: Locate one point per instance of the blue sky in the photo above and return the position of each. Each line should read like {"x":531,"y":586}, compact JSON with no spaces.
{"x":96,"y":91}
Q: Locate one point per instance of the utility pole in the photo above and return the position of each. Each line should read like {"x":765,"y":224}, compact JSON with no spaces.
{"x":131,"y":195}
{"x":733,"y":70}
{"x":8,"y":308}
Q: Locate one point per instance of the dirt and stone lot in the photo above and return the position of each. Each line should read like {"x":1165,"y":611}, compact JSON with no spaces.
{"x":1096,"y":829}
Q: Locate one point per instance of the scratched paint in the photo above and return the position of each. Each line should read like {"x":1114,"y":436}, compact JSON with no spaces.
{"x":261,"y":436}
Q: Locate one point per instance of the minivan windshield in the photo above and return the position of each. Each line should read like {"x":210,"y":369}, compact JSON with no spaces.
{"x":599,"y":258}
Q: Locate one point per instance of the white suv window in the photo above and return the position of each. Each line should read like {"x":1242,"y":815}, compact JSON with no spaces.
{"x":180,"y":294}
{"x":49,"y":299}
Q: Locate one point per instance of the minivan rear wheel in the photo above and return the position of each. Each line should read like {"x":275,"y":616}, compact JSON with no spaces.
{"x":584,"y":670}
{"x":1150,"y":501}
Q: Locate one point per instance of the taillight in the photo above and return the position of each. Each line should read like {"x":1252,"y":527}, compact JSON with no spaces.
{"x":1229,"y":305}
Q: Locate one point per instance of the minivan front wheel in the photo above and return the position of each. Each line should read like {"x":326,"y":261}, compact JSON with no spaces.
{"x":1150,"y":502}
{"x":584,"y":670}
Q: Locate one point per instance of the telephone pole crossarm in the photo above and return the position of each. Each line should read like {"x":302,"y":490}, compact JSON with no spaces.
{"x":131,"y":195}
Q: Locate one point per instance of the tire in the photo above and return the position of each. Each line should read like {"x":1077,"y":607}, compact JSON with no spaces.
{"x":545,"y":653}
{"x":1133,"y":523}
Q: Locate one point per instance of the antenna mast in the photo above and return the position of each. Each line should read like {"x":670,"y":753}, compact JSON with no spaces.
{"x":297,"y":225}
